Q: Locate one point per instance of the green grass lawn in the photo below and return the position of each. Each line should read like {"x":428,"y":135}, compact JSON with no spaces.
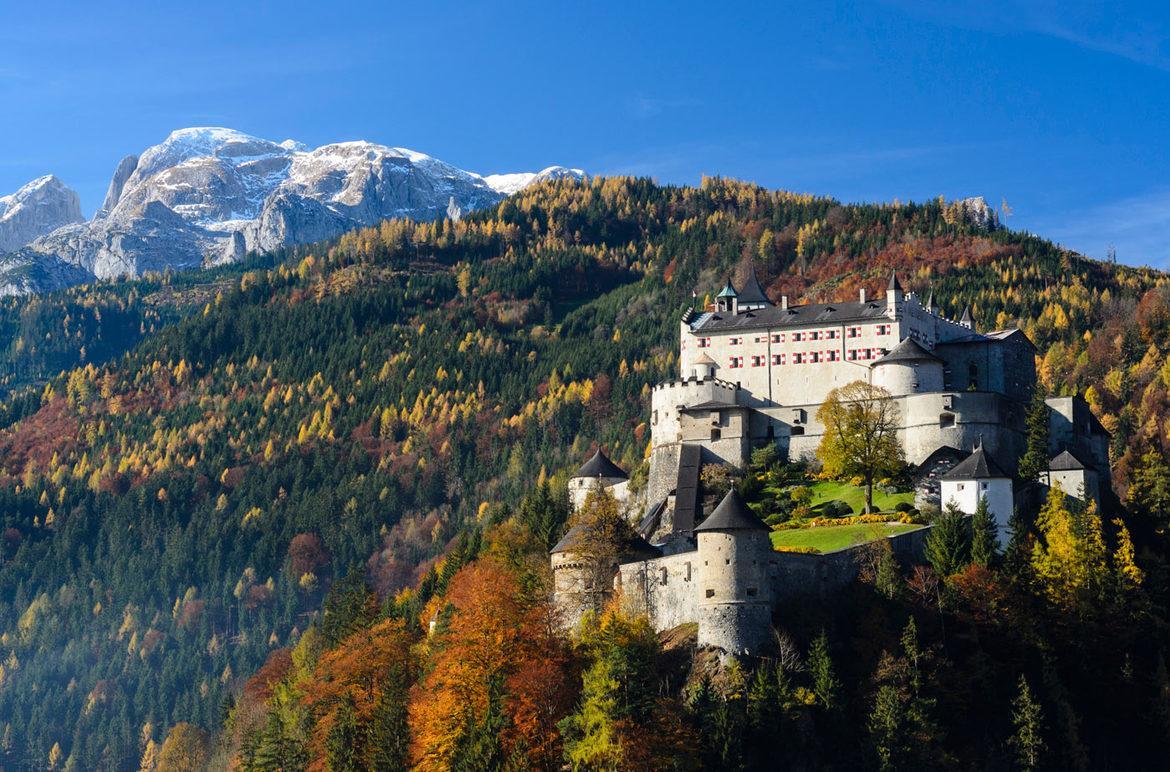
{"x":853,"y":495}
{"x":827,"y":538}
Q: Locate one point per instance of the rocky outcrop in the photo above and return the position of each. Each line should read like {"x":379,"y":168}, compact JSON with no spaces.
{"x":207,"y":196}
{"x":39,"y":207}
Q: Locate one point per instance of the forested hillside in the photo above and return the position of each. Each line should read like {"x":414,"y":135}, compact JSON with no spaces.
{"x":361,"y":428}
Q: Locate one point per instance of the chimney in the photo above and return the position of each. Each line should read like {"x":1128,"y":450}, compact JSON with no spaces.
{"x":861,"y":295}
{"x":784,"y":302}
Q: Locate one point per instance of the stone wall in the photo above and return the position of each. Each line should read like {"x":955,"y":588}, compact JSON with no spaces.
{"x":663,"y":588}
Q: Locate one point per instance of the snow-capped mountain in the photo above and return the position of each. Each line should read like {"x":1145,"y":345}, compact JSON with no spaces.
{"x":39,"y":207}
{"x":206,"y":196}
{"x":514,"y":183}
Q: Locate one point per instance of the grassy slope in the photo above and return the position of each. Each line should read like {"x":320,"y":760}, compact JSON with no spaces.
{"x":827,"y":538}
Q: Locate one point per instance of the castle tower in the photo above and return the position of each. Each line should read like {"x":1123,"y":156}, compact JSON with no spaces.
{"x":727,"y":301}
{"x":704,"y":367}
{"x":894,"y":296}
{"x":580,"y":584}
{"x":908,"y":369}
{"x":735,"y":601}
{"x":979,"y":477}
{"x":598,"y":471}
{"x":751,"y":296}
{"x":967,"y":320}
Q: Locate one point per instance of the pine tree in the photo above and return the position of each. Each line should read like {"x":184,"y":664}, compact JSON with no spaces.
{"x":389,"y":738}
{"x":1149,"y":490}
{"x":765,"y":715}
{"x":1026,"y":739}
{"x":342,"y":751}
{"x":1034,"y":462}
{"x":984,"y":535}
{"x":948,"y":545}
{"x":825,"y":684}
{"x":887,"y":727}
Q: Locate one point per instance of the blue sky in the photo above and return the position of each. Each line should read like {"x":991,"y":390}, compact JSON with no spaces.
{"x":1058,"y":108}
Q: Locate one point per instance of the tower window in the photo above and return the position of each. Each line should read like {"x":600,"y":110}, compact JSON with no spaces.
{"x":710,"y":593}
{"x":716,"y":434}
{"x":662,"y":579}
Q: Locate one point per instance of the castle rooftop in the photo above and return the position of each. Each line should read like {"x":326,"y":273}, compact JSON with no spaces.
{"x":600,"y":466}
{"x":907,"y":351}
{"x":1067,"y":462}
{"x":977,"y":466}
{"x":634,"y":547}
{"x":732,"y":515}
{"x":793,"y":316}
{"x":752,"y":292}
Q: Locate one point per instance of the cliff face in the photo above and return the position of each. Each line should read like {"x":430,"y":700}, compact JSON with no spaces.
{"x":207,"y":196}
{"x":39,"y":207}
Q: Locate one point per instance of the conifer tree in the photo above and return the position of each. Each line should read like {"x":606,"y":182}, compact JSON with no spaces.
{"x":389,"y":734}
{"x":1026,"y":739}
{"x":1034,"y":462}
{"x":826,"y":686}
{"x":984,"y":535}
{"x":342,"y":750}
{"x":948,"y":546}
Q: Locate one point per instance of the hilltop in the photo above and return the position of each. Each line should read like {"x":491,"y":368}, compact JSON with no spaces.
{"x":176,"y":513}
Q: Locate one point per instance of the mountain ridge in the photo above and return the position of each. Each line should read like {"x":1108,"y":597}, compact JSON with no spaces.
{"x":209,"y":195}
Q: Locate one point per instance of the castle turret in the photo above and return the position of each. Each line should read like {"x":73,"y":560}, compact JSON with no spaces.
{"x":704,"y":367}
{"x":735,"y":554}
{"x":727,"y":301}
{"x":931,"y":308}
{"x":598,"y":472}
{"x":751,"y":296}
{"x":967,"y":321}
{"x":894,"y":296}
{"x":908,"y":369}
{"x":581,"y":581}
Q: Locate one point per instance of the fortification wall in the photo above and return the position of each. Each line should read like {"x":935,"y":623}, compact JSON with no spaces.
{"x":800,"y":575}
{"x":663,"y":588}
{"x":929,"y":421}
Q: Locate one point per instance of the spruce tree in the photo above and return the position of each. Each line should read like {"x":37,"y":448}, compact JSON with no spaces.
{"x":824,"y":678}
{"x":1034,"y":462}
{"x":948,"y":546}
{"x":342,"y":751}
{"x":389,"y":733}
{"x":984,"y":535}
{"x":1026,"y":739}
{"x":887,"y":727}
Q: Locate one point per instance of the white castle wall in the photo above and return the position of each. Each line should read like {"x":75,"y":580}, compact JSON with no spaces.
{"x":900,"y":378}
{"x":966,"y":494}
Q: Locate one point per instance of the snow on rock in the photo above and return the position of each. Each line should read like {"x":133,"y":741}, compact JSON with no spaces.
{"x":39,"y":207}
{"x":209,"y":195}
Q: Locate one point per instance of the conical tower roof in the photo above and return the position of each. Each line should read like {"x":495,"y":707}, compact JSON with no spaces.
{"x":894,"y":283}
{"x":908,"y":350}
{"x":600,"y":466}
{"x":752,"y":292}
{"x":728,"y":291}
{"x":966,"y":318}
{"x":732,"y":515}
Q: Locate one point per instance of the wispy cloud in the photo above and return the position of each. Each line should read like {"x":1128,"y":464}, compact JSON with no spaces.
{"x":1139,"y":34}
{"x":1138,"y":227}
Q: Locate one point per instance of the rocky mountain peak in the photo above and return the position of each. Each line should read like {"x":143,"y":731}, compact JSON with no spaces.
{"x":39,"y":207}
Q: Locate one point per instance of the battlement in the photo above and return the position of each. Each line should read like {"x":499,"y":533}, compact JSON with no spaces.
{"x":692,"y":381}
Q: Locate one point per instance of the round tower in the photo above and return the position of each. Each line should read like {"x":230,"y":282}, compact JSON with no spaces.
{"x":735,"y":600}
{"x":704,"y":367}
{"x":598,"y":471}
{"x":908,"y":369}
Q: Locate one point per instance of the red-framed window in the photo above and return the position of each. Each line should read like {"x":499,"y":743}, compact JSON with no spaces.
{"x":854,"y":332}
{"x":736,"y":362}
{"x":798,"y":358}
{"x":777,"y":359}
{"x":758,"y":361}
{"x":735,"y":341}
{"x":704,"y":342}
{"x":778,"y":337}
{"x":833,"y":356}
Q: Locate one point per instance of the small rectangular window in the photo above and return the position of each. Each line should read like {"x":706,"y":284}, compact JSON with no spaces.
{"x":710,"y":593}
{"x":778,"y":337}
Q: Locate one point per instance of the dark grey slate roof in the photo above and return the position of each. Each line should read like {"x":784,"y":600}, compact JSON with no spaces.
{"x":752,"y":292}
{"x":907,"y":351}
{"x":793,"y":316}
{"x":977,"y":466}
{"x":1067,"y":462}
{"x":894,"y":283}
{"x":732,"y":515}
{"x":601,"y":466}
{"x":635,"y":547}
{"x":966,"y":315}
{"x":709,"y":405}
{"x":686,"y":488}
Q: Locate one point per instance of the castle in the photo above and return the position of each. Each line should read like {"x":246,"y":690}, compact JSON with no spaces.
{"x":752,"y":373}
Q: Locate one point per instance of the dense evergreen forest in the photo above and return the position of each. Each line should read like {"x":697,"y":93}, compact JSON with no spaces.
{"x":294,"y":513}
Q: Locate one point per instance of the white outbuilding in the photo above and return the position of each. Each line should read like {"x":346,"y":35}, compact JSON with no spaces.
{"x":979,"y":477}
